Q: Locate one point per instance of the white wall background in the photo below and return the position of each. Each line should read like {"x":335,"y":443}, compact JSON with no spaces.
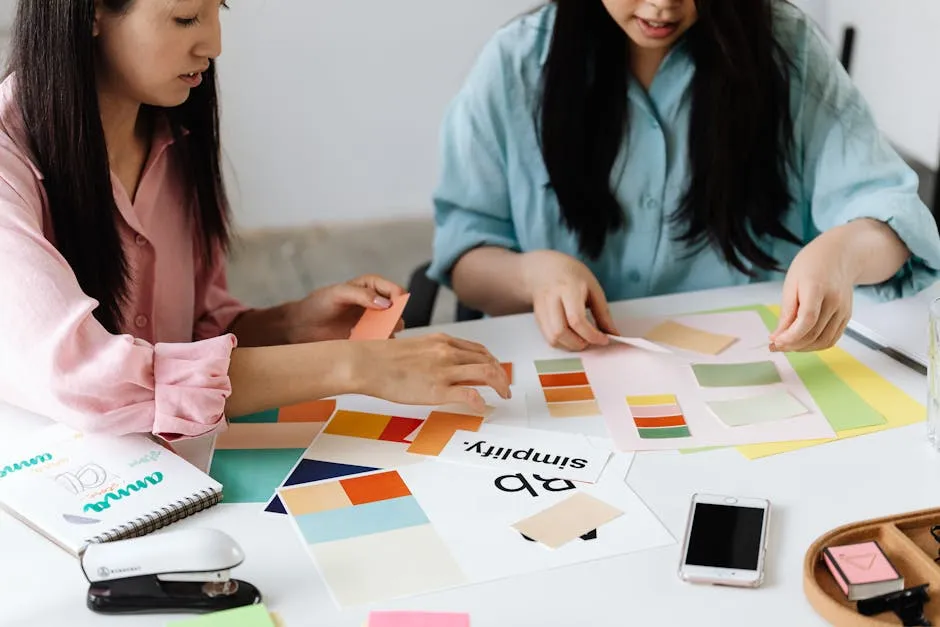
{"x":332,"y":108}
{"x":895,"y":66}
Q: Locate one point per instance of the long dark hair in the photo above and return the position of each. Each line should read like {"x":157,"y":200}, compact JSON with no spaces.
{"x":740,"y":138}
{"x":53,"y":62}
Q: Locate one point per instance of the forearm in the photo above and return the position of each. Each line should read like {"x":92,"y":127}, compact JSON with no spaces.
{"x":873,"y":252}
{"x":492,"y":280}
{"x":275,"y":376}
{"x":264,"y":327}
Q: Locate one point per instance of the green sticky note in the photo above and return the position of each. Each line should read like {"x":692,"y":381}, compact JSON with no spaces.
{"x":252,"y":475}
{"x":736,"y":375}
{"x":757,"y":409}
{"x":262,"y":416}
{"x":555,"y":366}
{"x":247,"y":616}
{"x":843,"y":408}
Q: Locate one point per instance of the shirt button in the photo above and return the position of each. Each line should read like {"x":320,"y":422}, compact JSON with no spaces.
{"x":140,"y":321}
{"x":634,"y":276}
{"x":651,"y":203}
{"x":140,"y":240}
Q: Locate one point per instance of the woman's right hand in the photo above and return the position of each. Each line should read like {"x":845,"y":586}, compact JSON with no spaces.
{"x":427,"y":370}
{"x":562,"y":290}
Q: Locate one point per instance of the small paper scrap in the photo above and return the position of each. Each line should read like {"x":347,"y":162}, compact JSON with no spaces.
{"x":639,"y":342}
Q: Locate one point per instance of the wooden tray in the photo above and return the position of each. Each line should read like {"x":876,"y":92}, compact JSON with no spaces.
{"x":908,"y":543}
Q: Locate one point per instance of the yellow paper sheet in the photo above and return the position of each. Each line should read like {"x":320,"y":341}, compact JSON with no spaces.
{"x":898,"y":408}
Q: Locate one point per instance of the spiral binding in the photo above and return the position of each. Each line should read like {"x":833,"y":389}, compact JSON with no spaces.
{"x":158,"y":519}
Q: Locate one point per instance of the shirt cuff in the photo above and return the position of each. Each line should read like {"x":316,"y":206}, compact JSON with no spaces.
{"x":191,"y":385}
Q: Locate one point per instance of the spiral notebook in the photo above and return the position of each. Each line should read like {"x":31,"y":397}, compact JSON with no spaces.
{"x":76,"y":488}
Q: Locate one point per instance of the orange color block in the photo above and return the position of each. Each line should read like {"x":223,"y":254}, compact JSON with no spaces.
{"x":566,"y":395}
{"x":662,"y":421}
{"x":563,"y":380}
{"x":507,"y":368}
{"x":438,"y":429}
{"x":379,"y":324}
{"x":371,"y":488}
{"x":314,"y":411}
{"x":357,"y":424}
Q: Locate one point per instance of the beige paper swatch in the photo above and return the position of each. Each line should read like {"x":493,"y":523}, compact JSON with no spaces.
{"x":567,"y":520}
{"x":688,"y":338}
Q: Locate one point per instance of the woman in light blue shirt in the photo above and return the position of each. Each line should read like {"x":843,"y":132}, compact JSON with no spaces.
{"x":612,"y":149}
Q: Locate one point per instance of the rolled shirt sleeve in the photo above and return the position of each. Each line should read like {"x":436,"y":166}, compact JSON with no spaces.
{"x":850,"y":171}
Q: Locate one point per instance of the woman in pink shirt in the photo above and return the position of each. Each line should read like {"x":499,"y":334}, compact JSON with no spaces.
{"x":113,"y":230}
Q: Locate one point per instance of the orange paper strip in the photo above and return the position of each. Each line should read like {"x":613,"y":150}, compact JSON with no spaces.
{"x":378,"y":324}
{"x":314,"y":411}
{"x":438,"y":430}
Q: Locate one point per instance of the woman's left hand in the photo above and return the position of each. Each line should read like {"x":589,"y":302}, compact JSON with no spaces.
{"x":331,"y":312}
{"x":817,"y":299}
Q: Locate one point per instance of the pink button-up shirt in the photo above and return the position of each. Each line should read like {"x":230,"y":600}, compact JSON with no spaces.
{"x":167,"y":372}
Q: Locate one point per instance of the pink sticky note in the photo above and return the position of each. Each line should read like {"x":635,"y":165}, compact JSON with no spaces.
{"x":418,"y":619}
{"x":379,"y":324}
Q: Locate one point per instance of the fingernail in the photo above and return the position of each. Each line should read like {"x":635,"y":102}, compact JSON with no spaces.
{"x":382,"y":301}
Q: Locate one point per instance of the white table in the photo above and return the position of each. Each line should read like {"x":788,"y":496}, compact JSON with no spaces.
{"x":812,"y":491}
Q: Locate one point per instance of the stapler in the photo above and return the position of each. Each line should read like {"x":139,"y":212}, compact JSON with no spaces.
{"x":177,"y":571}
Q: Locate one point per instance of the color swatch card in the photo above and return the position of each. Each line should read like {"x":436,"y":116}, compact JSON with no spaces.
{"x":736,"y":375}
{"x":658,"y":402}
{"x":751,"y":410}
{"x":352,"y":442}
{"x":438,"y":525}
{"x":568,"y":520}
{"x":418,"y":619}
{"x":252,"y":456}
{"x":379,"y":324}
{"x":566,"y":388}
{"x":567,"y":456}
{"x":689,"y":338}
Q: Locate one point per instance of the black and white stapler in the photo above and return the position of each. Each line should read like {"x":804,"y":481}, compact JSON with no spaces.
{"x":177,"y":571}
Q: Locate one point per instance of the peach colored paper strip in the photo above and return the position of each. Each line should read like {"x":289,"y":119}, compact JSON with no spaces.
{"x":380,"y":324}
{"x":689,"y":338}
{"x":567,"y":520}
{"x":268,"y":435}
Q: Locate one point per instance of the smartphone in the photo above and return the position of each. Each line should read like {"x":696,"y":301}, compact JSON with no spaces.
{"x":725,"y":541}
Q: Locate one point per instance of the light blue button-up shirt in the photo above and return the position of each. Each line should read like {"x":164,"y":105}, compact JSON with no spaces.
{"x":493,"y":184}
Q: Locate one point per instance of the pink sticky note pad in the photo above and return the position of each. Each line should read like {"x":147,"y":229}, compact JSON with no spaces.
{"x":859,"y":564}
{"x":379,"y":324}
{"x":418,"y":619}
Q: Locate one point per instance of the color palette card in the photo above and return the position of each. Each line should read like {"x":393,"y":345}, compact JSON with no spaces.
{"x":418,"y":619}
{"x":567,"y":456}
{"x":379,"y":324}
{"x":862,"y":570}
{"x":566,"y":388}
{"x":658,"y":416}
{"x":439,"y":428}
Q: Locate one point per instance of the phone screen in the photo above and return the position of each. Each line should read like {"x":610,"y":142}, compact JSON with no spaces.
{"x":725,"y":536}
